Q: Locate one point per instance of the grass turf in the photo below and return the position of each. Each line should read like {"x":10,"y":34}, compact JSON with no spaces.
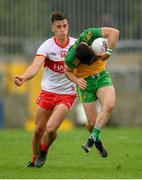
{"x":66,"y":160}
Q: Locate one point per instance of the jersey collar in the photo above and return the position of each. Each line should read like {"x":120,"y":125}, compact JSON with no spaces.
{"x":61,"y":46}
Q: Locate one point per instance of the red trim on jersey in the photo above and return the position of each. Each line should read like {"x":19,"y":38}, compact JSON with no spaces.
{"x":61,"y":46}
{"x":56,"y":66}
{"x":40,"y":55}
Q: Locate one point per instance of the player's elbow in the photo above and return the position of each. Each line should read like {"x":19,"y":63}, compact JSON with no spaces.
{"x":116,"y":32}
{"x":66,"y":70}
{"x":67,"y":74}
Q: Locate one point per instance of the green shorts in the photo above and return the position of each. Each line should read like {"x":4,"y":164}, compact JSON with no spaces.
{"x":94,"y":82}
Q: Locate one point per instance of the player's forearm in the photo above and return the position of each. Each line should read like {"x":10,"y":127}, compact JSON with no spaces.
{"x":33,"y":69}
{"x":113,"y":38}
{"x":72,"y":77}
{"x":69,"y":74}
{"x":30,"y":72}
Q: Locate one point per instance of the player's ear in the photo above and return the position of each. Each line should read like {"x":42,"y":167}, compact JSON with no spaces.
{"x":52,"y":28}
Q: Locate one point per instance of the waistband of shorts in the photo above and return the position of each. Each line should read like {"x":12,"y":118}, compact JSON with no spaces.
{"x":98,"y":75}
{"x":53,"y":93}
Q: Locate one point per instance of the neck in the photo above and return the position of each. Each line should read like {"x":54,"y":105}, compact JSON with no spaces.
{"x":62,"y":40}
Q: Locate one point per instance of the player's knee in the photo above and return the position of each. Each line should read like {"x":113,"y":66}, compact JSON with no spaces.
{"x":109,"y":107}
{"x":38,"y":132}
{"x":50,"y":130}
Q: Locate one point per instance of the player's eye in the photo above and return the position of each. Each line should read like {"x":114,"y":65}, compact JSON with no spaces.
{"x":64,"y":26}
{"x":58,"y":26}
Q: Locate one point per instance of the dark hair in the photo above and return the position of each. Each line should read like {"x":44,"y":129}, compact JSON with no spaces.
{"x":85,"y":54}
{"x":55,"y":16}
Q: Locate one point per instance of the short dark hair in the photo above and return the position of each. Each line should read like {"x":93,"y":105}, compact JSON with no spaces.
{"x":85,"y":54}
{"x":55,"y":16}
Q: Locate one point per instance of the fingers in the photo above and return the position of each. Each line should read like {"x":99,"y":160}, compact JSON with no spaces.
{"x":103,"y":56}
{"x":82,"y":83}
{"x":18,"y":80}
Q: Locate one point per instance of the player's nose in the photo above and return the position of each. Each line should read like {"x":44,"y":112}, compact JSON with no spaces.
{"x":62,"y":28}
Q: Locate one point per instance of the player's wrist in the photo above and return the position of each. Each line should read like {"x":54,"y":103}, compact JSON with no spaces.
{"x":109,"y":51}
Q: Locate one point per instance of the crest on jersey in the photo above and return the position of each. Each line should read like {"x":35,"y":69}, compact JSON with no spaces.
{"x":63,"y":54}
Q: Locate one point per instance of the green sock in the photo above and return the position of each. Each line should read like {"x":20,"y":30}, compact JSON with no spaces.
{"x":95,"y":133}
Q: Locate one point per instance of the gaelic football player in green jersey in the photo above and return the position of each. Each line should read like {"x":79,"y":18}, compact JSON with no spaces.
{"x":93,"y":82}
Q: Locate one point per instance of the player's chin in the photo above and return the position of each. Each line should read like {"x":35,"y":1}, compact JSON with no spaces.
{"x":64,"y":34}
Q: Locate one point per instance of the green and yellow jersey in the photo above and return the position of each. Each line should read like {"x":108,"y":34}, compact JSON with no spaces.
{"x":83,"y":70}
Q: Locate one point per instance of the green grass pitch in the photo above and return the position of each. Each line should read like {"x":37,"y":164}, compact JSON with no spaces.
{"x":66,"y":160}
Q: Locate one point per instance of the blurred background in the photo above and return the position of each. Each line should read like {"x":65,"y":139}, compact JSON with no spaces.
{"x":25,"y":24}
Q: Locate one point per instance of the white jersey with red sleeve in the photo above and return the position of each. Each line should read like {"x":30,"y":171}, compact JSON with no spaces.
{"x":54,"y":79}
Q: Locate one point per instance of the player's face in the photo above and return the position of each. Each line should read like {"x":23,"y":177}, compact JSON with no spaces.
{"x":60,"y":28}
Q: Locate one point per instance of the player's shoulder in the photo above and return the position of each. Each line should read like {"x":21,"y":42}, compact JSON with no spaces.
{"x":48,"y":41}
{"x":72,"y":40}
{"x":45,"y":46}
{"x":92,"y":29}
{"x":90,"y":33}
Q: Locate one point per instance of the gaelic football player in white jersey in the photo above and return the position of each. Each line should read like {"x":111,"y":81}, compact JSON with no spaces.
{"x":57,"y":92}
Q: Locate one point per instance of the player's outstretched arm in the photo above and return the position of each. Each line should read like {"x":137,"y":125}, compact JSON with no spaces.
{"x":30,"y":72}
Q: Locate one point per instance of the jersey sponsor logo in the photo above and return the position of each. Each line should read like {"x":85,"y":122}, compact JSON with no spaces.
{"x":56,"y":66}
{"x":52,"y":53}
{"x":75,"y":62}
{"x":62,"y":54}
{"x":88,"y":36}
